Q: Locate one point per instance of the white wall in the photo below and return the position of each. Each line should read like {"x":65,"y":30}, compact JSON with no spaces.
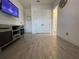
{"x":28,"y":20}
{"x":68,"y":21}
{"x":41,"y":19}
{"x":54,"y":25}
{"x":7,"y":19}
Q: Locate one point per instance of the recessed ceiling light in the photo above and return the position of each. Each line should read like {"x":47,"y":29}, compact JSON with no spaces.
{"x":38,"y":1}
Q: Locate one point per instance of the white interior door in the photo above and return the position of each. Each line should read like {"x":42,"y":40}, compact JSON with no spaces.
{"x":41,"y":20}
{"x":45,"y":21}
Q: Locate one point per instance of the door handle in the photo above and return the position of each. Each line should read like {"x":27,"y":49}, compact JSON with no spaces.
{"x":42,"y":24}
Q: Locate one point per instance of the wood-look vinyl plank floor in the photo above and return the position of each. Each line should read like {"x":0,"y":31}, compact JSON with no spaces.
{"x":40,"y":47}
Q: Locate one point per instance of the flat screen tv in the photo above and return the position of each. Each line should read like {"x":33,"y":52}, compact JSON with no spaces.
{"x":9,"y":8}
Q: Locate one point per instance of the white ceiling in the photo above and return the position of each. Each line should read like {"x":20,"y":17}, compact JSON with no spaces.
{"x":28,"y":3}
{"x":25,"y":3}
{"x":42,"y":2}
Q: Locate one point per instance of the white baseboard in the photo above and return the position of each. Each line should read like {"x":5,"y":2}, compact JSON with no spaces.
{"x":67,"y":41}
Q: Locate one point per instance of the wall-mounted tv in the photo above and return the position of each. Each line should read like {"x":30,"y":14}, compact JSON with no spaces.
{"x":9,"y":8}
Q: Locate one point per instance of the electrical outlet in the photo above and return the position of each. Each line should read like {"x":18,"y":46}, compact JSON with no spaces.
{"x":67,"y":33}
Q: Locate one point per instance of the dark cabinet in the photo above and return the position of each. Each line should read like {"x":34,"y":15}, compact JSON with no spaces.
{"x":9,"y":34}
{"x":5,"y":37}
